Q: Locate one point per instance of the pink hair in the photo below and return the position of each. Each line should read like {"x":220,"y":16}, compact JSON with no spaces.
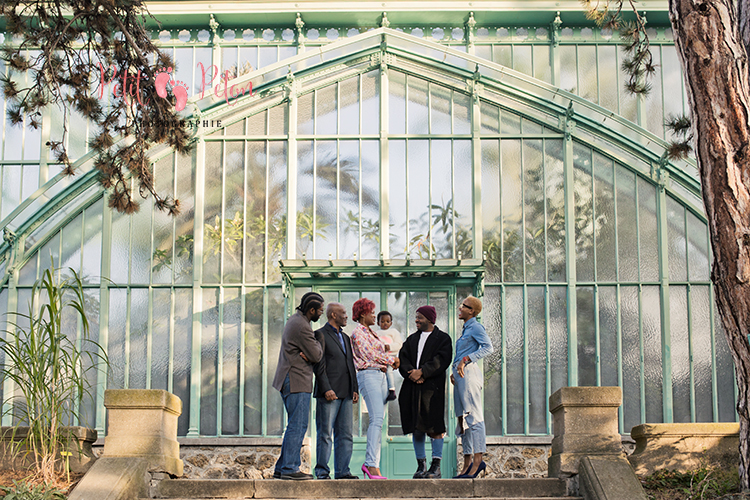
{"x":362,"y":307}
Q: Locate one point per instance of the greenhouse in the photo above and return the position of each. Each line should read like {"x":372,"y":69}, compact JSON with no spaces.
{"x":409,"y":156}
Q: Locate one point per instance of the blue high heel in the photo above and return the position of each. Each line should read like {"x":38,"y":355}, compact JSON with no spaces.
{"x":482,"y":468}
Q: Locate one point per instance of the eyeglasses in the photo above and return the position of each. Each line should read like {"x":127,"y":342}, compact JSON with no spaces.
{"x":467,"y":307}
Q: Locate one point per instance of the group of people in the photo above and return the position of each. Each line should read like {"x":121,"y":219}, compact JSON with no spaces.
{"x":346,"y":367}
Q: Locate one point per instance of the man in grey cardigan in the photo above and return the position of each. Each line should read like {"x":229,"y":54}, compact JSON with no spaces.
{"x":294,"y":378}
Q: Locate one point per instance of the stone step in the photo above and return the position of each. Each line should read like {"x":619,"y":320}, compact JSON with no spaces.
{"x":358,"y":498}
{"x":360,"y":489}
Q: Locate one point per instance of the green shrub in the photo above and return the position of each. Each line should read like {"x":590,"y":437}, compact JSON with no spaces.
{"x":24,"y":491}
{"x":47,"y":365}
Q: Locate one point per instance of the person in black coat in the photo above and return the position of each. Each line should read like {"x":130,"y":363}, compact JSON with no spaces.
{"x":425,"y":357}
{"x":335,"y":392}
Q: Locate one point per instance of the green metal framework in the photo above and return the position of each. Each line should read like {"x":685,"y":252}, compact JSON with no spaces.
{"x":211,"y":311}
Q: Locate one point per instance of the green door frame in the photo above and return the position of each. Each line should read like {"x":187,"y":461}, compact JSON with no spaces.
{"x":397,"y":453}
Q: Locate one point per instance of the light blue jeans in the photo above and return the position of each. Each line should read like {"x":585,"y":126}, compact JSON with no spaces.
{"x":374,"y":390}
{"x":467,"y":403}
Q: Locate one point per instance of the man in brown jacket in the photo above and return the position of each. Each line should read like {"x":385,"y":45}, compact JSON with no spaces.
{"x":294,"y":379}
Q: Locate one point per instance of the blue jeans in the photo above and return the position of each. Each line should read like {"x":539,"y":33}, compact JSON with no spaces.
{"x":374,"y":390}
{"x":418,"y":439}
{"x":334,"y":416}
{"x":467,"y":402}
{"x":297,"y":405}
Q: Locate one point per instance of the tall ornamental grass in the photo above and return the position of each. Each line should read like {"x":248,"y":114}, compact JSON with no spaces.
{"x":46,"y":361}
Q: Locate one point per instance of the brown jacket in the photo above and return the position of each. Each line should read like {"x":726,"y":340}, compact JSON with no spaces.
{"x":298,"y":337}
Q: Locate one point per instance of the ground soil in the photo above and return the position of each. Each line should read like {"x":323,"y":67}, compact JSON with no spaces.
{"x":7,"y":477}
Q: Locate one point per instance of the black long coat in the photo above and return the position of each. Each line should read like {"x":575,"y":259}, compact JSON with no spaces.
{"x":423,"y":405}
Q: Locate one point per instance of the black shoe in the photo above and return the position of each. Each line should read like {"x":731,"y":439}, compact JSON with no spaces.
{"x":391,"y":395}
{"x":434,"y":471}
{"x":421,"y":462}
{"x":276,"y":474}
{"x":348,"y":476}
{"x":324,"y":477}
{"x":297,"y":476}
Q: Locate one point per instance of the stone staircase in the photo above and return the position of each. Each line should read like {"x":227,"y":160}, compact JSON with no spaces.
{"x":464,"y":489}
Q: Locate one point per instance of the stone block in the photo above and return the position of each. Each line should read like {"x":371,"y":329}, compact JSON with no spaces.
{"x":684,"y":446}
{"x":113,"y":479}
{"x":608,"y":478}
{"x":143,"y":424}
{"x":585,"y":422}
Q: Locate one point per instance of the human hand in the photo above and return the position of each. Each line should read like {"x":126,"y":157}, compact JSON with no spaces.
{"x":420,"y":381}
{"x":330,"y":396}
{"x":304,"y":357}
{"x":415,"y":375}
{"x":453,"y":380}
{"x":396,"y":363}
{"x":355,"y":397}
{"x":460,"y":368}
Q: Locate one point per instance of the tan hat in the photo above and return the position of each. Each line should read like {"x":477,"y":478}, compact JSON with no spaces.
{"x":474,"y":303}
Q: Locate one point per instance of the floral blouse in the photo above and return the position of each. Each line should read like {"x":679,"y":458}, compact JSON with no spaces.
{"x":369,"y":351}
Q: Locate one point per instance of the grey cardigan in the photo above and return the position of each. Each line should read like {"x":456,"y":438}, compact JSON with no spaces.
{"x":298,"y":337}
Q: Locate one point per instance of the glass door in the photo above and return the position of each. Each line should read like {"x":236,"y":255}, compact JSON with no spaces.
{"x":401,"y":300}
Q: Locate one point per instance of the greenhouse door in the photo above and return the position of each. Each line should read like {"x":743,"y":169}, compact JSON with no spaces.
{"x":397,"y":453}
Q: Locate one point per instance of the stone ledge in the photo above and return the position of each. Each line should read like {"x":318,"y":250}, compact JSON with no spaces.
{"x":585,"y":396}
{"x":139,"y":399}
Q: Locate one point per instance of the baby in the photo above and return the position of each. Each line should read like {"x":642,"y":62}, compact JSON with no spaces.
{"x":392,"y":340}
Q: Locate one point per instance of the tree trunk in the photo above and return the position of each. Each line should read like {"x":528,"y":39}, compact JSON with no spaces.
{"x":714,"y":60}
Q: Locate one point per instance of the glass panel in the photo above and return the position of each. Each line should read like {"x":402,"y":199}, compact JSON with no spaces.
{"x":212,"y":223}
{"x":141,"y":245}
{"x":654,"y":99}
{"x":490,"y":118}
{"x":492,"y":321}
{"x":139,"y":332}
{"x":676,"y":237}
{"x":568,"y":68}
{"x":558,"y":336}
{"x":583,"y":212}
{"x":514,"y":333}
{"x":417,"y":106}
{"x":522,"y":59}
{"x":442,"y":199}
{"x":651,"y":306}
{"x":254,"y":360}
{"x":462,"y":113}
{"x":419,"y":223}
{"x":604,"y":207}
{"x":396,"y":102}
{"x":326,"y":104}
{"x":537,"y":355}
{"x":631,"y":357}
{"x":628,"y":101}
{"x":535,"y":228}
{"x":276,"y":208}
{"x":255,"y":200}
{"x":183,"y":349}
{"x":11,"y":183}
{"x":608,"y":336}
{"x":587,"y":74}
{"x":512,"y":215}
{"x":440,"y":110}
{"x":397,"y":197}
{"x":698,"y":252}
{"x":542,"y":67}
{"x":348,"y":198}
{"x":160,"y":324}
{"x":608,"y":84}
{"x":305,"y":116}
{"x":648,"y":232}
{"x":555,"y":194}
{"x":274,"y":404}
{"x":680,"y":349}
{"x":370,"y":169}
{"x":627,"y":235}
{"x":209,"y":359}
{"x":116,"y":345}
{"x":71,"y":245}
{"x":492,"y":231}
{"x":230,"y":361}
{"x":278,"y":120}
{"x":184,"y":222}
{"x":700,"y":312}
{"x":349,"y":106}
{"x":462,"y":197}
{"x":371,"y":102}
{"x":587,"y":357}
{"x":161,"y":268}
{"x":305,"y":184}
{"x":327,"y":183}
{"x":256,"y":124}
{"x":725,"y":381}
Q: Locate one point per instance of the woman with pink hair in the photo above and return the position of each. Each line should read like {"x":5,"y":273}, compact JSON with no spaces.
{"x":371,"y":361}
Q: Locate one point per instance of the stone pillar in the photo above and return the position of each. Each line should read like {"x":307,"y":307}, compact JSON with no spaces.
{"x":143,"y":424}
{"x":585,"y":424}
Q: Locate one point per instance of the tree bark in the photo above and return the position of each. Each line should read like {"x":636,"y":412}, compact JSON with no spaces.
{"x":715,"y":66}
